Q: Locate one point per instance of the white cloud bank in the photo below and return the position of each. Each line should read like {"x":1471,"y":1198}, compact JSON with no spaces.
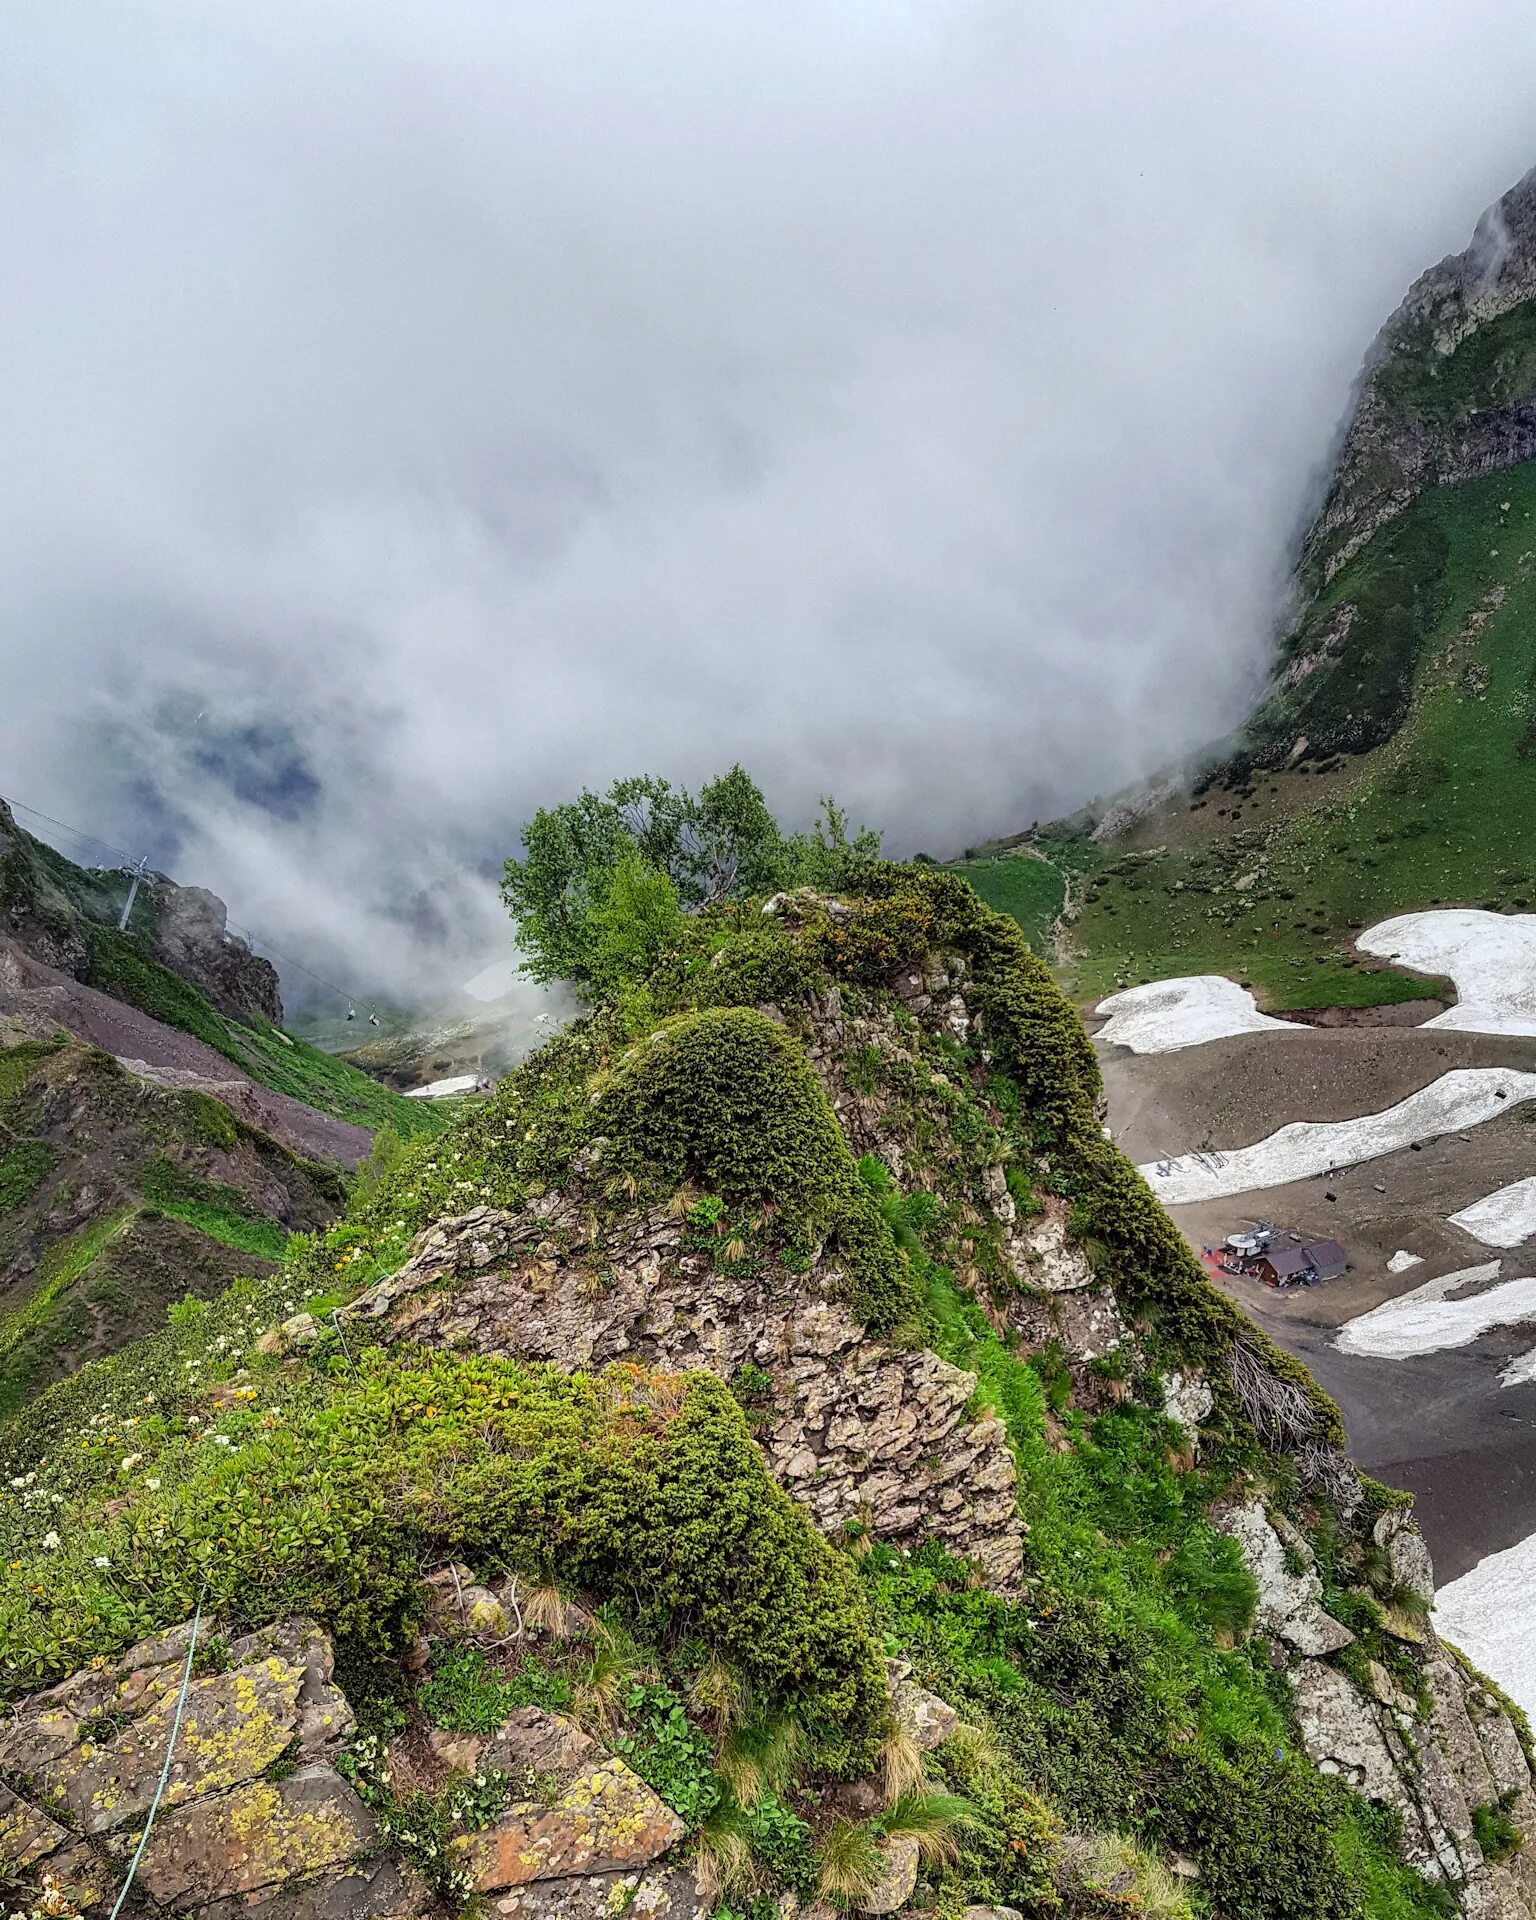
{"x":414,"y":412}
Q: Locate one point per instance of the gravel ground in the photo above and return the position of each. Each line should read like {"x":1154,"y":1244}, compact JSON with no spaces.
{"x":1441,"y":1423}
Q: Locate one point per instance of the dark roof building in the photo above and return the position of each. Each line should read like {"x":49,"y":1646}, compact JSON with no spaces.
{"x":1314,"y":1259}
{"x":1281,"y":1264}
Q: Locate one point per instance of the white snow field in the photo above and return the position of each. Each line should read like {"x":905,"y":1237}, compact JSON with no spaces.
{"x":1463,"y":1098}
{"x":1402,"y":1260}
{"x":443,"y":1089}
{"x":1427,"y":1320}
{"x":1490,"y":956}
{"x":1166,"y":1015}
{"x":1504,"y":1219}
{"x":494,"y":982}
{"x":1488,"y":1614}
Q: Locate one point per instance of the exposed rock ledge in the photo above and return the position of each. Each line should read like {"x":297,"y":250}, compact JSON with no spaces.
{"x":1433,"y":1769}
{"x":856,"y":1431}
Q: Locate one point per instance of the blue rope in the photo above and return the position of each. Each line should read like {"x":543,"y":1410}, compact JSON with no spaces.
{"x":165,"y":1771}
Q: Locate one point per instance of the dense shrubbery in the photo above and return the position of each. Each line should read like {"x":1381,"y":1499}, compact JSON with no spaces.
{"x":726,"y":1098}
{"x":1116,"y":1696}
{"x":332,"y":1501}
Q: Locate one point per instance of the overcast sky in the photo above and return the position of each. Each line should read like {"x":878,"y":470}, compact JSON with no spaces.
{"x":411,"y":413}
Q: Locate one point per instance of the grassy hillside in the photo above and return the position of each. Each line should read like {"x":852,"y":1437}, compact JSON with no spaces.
{"x":117,"y":1198}
{"x":120,"y":966}
{"x":1119,"y":1703}
{"x":1268,"y":874}
{"x":1028,"y":890}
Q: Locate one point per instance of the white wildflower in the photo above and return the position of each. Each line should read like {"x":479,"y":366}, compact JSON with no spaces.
{"x":51,"y":1540}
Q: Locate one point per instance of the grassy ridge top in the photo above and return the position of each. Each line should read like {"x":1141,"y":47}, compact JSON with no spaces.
{"x":1120,"y":1696}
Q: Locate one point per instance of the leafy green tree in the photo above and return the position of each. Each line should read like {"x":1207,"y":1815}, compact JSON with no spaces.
{"x":634,"y":918}
{"x":678,"y":852}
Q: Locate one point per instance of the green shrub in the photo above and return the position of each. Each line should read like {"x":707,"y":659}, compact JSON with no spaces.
{"x":726,"y":1098}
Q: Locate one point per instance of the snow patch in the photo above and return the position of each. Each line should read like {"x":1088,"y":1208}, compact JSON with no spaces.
{"x":1428,"y":1320}
{"x":1490,"y":956}
{"x":1169,"y":1014}
{"x":1488,"y":1613}
{"x":494,"y":982}
{"x":1504,"y":1219}
{"x":1402,"y":1260}
{"x":443,"y":1089}
{"x":1460,"y":1099}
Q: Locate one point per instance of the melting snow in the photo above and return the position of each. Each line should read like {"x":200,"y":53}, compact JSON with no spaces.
{"x":1487,"y":1613}
{"x":441,"y":1089}
{"x":1427,"y":1320}
{"x":494,"y":982}
{"x":1503,"y":1219}
{"x":1457,"y":1100}
{"x":1402,"y":1260}
{"x":1169,"y":1014}
{"x":1490,"y":956}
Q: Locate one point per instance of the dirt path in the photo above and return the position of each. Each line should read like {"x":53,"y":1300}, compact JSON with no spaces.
{"x":36,"y":1000}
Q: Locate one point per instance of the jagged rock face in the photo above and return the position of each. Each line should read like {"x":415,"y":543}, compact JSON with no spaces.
{"x":192,"y":938}
{"x":1290,"y":1604}
{"x":1389,"y":456}
{"x":1433,"y":1776}
{"x":856,"y":1431}
{"x":47,"y":906}
{"x":233,"y":1824}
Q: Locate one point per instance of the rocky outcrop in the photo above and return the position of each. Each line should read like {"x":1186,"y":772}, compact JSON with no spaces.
{"x":252,"y":1805}
{"x":1290,"y":1605}
{"x":855,"y":1430}
{"x":50,"y":907}
{"x":191,"y":936}
{"x":1433,"y":1759}
{"x":1391,"y":451}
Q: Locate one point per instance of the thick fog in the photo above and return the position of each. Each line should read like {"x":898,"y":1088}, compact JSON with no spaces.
{"x":413,"y":412}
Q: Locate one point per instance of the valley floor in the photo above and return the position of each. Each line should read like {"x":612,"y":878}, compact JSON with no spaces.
{"x":1441,"y":1423}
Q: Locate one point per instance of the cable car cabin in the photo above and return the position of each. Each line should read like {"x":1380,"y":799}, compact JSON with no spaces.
{"x":1301,"y":1266}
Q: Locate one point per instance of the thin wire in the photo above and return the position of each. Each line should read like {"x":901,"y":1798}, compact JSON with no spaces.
{"x":90,"y":839}
{"x":165,"y":1771}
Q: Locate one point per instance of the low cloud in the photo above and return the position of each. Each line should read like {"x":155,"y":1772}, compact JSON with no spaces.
{"x":414,"y":413}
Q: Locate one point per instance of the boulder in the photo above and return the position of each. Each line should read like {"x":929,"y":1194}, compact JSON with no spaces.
{"x":255,"y":1837}
{"x":456,"y":1604}
{"x":367,"y":1890}
{"x":665,"y":1894}
{"x":1187,"y":1400}
{"x":592,"y":1816}
{"x":928,"y":1719}
{"x":898,"y":1878}
{"x":95,"y":1744}
{"x":1290,"y":1604}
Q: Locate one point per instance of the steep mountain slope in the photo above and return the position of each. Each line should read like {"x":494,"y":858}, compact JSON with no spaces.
{"x":159,"y":1134}
{"x":119,"y":1196}
{"x":1391,"y":766}
{"x":178,"y":964}
{"x":774,"y":1451}
{"x":63,"y":913}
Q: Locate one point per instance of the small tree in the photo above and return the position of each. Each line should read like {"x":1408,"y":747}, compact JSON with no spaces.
{"x":646,"y":852}
{"x":634,"y":918}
